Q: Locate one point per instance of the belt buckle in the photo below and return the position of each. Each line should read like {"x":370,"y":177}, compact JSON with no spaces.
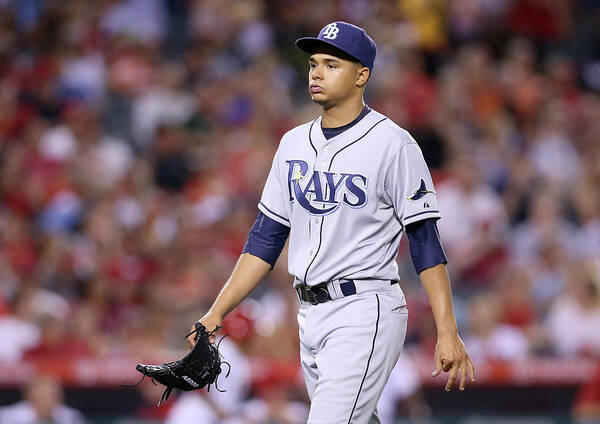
{"x":307,"y":295}
{"x":327,"y":296}
{"x":312,"y":297}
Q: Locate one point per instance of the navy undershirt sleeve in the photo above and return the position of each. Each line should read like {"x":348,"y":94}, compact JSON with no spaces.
{"x":266,"y":239}
{"x":425,"y":247}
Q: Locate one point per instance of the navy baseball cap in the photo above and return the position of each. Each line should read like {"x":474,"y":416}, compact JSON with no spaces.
{"x":352,"y":40}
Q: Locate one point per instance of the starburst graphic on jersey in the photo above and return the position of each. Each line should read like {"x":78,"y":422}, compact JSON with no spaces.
{"x":297,"y":176}
{"x":421,"y":191}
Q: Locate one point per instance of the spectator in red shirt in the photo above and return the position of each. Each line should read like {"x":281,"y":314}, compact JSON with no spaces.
{"x":587,"y":403}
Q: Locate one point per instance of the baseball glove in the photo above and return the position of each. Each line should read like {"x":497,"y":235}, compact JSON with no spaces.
{"x":199,"y":368}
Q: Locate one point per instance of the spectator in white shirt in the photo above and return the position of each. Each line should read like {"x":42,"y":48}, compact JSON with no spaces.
{"x":489,"y":338}
{"x":42,"y":404}
{"x":17,"y":329}
{"x":473,"y":222}
{"x":573,"y":322}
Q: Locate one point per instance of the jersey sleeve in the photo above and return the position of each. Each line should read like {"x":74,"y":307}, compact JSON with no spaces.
{"x":410,"y":187}
{"x":272,"y":201}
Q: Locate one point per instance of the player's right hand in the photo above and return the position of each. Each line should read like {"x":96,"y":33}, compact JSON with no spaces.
{"x":211,"y":322}
{"x":451,"y":356}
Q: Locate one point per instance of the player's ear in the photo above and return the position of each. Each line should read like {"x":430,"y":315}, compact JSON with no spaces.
{"x":362,"y":75}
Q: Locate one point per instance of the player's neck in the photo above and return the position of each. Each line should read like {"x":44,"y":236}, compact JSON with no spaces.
{"x":341,"y":114}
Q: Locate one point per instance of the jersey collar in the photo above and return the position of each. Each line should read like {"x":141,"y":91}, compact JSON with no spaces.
{"x":341,"y":140}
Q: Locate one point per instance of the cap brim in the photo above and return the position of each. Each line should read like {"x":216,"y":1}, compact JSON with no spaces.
{"x":309,"y":44}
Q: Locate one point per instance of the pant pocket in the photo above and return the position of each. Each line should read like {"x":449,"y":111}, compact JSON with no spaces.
{"x":401,"y":310}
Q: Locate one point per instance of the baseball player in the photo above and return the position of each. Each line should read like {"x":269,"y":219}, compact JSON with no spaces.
{"x":345,"y":187}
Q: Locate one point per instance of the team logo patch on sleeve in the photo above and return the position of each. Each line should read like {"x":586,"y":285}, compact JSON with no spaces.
{"x":420,"y":192}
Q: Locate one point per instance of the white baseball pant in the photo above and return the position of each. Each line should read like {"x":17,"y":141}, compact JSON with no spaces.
{"x":348,"y":348}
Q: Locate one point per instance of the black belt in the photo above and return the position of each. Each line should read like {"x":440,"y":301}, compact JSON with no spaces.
{"x":320,"y":294}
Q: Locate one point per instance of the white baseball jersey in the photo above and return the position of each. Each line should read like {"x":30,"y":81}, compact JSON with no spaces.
{"x":347,"y":199}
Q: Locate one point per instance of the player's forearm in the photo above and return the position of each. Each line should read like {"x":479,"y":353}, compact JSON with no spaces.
{"x":437,"y":285}
{"x":246,"y":275}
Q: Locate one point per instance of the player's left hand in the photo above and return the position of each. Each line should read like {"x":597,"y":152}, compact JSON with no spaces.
{"x":451,"y":356}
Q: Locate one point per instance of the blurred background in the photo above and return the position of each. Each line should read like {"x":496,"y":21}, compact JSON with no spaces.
{"x":136,"y":136}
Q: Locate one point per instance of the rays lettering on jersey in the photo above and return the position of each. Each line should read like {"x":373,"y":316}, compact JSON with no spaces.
{"x":327,"y":189}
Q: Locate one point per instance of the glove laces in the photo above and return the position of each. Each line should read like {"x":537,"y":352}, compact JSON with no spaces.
{"x":167,"y":392}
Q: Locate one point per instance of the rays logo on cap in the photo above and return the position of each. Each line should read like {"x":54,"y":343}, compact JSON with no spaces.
{"x":331,"y":31}
{"x":350,"y":39}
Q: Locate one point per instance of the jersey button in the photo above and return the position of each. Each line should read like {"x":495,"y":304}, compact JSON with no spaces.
{"x":310,"y":253}
{"x":326,"y":148}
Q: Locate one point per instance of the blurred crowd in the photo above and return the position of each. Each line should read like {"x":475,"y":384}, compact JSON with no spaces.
{"x":136,"y":136}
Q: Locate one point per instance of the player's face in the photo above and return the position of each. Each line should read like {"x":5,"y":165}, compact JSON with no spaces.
{"x":332,"y":79}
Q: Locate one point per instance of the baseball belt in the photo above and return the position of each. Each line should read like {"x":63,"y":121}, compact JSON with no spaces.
{"x":322,"y":293}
